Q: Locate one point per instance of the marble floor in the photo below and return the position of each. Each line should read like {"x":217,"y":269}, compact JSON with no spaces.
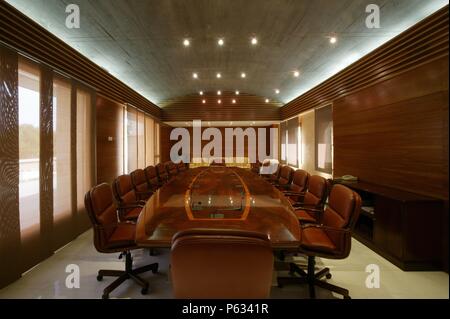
{"x":48,"y":279}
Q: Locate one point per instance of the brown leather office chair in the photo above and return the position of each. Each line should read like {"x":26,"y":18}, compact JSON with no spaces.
{"x":221,"y":263}
{"x":142,"y":189}
{"x":163,"y":176}
{"x":152,"y":177}
{"x":111,"y":236}
{"x":330,"y":238}
{"x":129,"y":205}
{"x":171,"y":169}
{"x":273,"y":178}
{"x":255,"y":167}
{"x":181,"y":167}
{"x":296,"y":190}
{"x":285,"y":179}
{"x":310,"y":206}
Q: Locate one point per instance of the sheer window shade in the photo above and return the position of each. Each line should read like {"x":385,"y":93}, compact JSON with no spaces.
{"x":29,"y":141}
{"x":149,"y":141}
{"x":131,"y":139}
{"x":84,"y":146}
{"x":62,"y":199}
{"x":324,"y":138}
{"x":283,"y":136}
{"x":140,"y":140}
{"x":292,"y":142}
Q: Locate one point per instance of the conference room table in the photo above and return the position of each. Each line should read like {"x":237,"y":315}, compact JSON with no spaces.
{"x":220,"y":198}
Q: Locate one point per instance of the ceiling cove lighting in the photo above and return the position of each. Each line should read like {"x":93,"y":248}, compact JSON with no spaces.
{"x":221,"y":42}
{"x":186,"y":42}
{"x":254,"y":41}
{"x":243,"y":75}
{"x":296,"y":74}
{"x":195,"y":75}
{"x":218,"y":75}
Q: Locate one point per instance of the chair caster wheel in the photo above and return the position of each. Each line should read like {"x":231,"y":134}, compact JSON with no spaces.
{"x":105,"y":296}
{"x":155,"y":269}
{"x":328,"y":276}
{"x":99,"y":277}
{"x":144,"y":291}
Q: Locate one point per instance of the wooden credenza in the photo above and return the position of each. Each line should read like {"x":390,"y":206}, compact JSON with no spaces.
{"x":405,"y":228}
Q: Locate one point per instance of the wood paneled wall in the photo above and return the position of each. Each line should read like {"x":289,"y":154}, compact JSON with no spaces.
{"x":109,"y":153}
{"x":247,"y":108}
{"x":166,"y":143}
{"x":29,"y":38}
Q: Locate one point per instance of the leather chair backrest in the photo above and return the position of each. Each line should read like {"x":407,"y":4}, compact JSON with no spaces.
{"x":139,"y":180}
{"x":286,"y":173}
{"x":102,"y":212}
{"x":341,"y":207}
{"x":152,"y":176}
{"x":123,"y":190}
{"x":317,"y":191}
{"x":181,"y":166}
{"x":220,"y":263}
{"x":162,"y":172}
{"x":300,"y":181}
{"x":171,"y":168}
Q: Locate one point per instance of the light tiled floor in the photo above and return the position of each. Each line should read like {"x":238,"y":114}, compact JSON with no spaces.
{"x":47,"y":280}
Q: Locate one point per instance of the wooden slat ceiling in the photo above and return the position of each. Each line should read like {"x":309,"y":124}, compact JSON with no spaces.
{"x":140,"y":42}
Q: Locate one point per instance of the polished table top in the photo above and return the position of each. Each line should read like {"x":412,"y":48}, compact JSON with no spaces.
{"x":217,"y":197}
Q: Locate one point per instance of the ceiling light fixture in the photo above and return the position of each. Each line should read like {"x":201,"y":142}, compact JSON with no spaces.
{"x":219,"y":92}
{"x":277,"y":91}
{"x":221,"y":42}
{"x":237,"y":92}
{"x":233,"y":101}
{"x":201,"y":92}
{"x":254,"y":41}
{"x":333,"y":40}
{"x":219,"y":101}
{"x":243,"y":75}
{"x":203,"y":101}
{"x":195,"y":75}
{"x":296,"y":74}
{"x":186,"y":42}
{"x":267,"y":100}
{"x":218,"y":75}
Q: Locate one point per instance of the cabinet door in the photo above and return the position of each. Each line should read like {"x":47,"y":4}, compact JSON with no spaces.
{"x":388,"y":226}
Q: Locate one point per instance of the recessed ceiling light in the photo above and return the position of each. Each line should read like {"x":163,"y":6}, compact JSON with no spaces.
{"x":186,"y":42}
{"x":201,"y":92}
{"x":221,"y":42}
{"x":233,"y":101}
{"x":237,"y":92}
{"x":254,"y":41}
{"x":243,"y":75}
{"x":296,"y":74}
{"x":277,"y":91}
{"x":219,"y":92}
{"x":195,"y":75}
{"x":218,"y":75}
{"x":333,"y":40}
{"x":219,"y":101}
{"x":267,"y":100}
{"x":203,"y":101}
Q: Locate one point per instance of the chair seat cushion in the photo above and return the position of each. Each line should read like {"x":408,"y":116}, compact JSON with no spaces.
{"x":123,"y":236}
{"x":303,"y":216}
{"x":315,"y":239}
{"x":133,"y":213}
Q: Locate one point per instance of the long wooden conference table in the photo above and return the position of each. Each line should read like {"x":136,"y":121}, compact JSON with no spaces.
{"x":217,"y":197}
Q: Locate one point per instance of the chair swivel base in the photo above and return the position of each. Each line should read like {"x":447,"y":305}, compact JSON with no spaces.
{"x":312,"y":279}
{"x":128,"y":273}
